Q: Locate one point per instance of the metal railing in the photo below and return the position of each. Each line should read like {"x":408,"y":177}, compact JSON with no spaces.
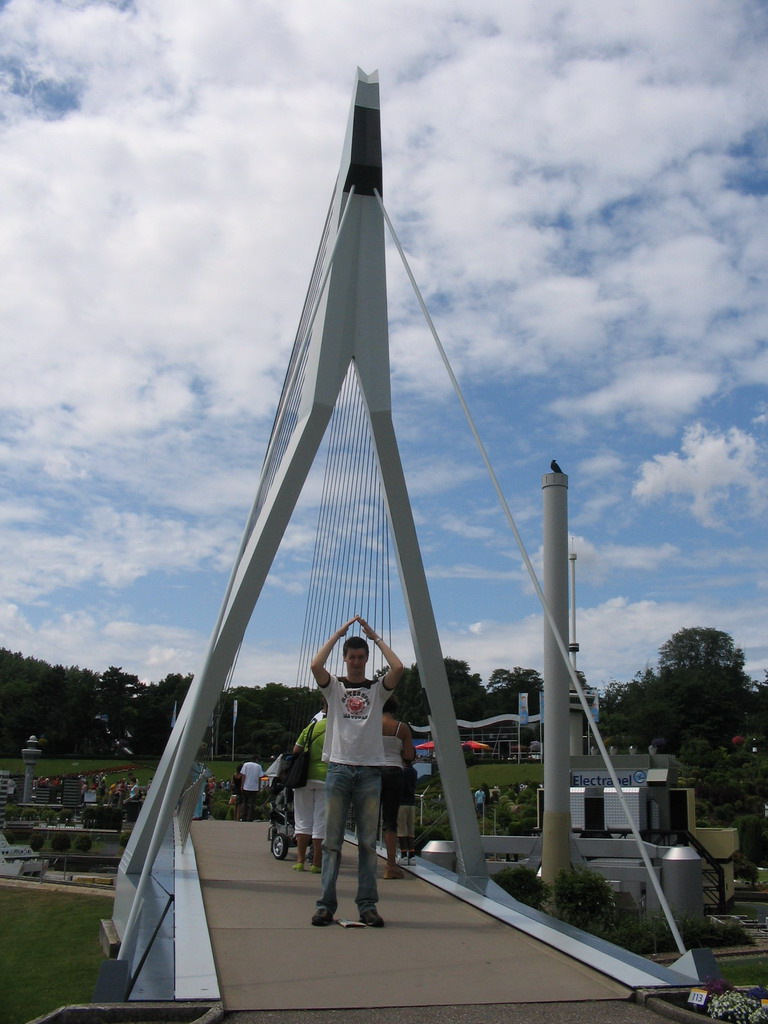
{"x":186,"y":807}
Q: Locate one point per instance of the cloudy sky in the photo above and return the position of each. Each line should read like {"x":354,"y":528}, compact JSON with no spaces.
{"x":581,"y":188}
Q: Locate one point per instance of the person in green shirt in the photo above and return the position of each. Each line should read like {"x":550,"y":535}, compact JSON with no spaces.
{"x":309,"y":800}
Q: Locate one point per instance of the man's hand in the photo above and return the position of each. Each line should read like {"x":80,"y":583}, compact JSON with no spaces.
{"x":369,"y":632}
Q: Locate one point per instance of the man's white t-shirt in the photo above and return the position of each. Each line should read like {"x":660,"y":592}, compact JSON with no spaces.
{"x":353,"y":734}
{"x":251,"y":772}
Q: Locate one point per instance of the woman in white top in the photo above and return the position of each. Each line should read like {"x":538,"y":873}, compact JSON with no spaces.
{"x":398,"y":750}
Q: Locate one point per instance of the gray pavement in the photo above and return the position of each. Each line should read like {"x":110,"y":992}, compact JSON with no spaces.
{"x":437,"y":960}
{"x":583,"y":1012}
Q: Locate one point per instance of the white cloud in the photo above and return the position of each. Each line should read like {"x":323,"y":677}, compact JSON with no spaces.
{"x":578,"y":188}
{"x":600,"y":560}
{"x":717,"y":470}
{"x":656,"y":393}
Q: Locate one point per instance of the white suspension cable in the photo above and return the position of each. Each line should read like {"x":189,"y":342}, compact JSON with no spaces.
{"x":539,"y":591}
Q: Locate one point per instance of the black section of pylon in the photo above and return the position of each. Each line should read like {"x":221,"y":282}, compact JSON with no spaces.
{"x":365,"y":159}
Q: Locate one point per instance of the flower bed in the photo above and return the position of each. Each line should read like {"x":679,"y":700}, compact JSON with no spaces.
{"x":722,"y":1002}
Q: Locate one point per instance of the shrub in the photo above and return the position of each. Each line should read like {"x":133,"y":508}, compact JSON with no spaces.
{"x":9,"y":837}
{"x":649,"y":933}
{"x":219,"y":806}
{"x":103,"y":817}
{"x":82,"y":843}
{"x":60,"y":842}
{"x":643,"y":935}
{"x":705,"y":932}
{"x":36,"y":841}
{"x":524,"y":885}
{"x":584,"y":899}
{"x":745,"y":870}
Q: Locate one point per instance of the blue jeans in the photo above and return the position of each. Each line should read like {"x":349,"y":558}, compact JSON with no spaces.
{"x":358,"y":786}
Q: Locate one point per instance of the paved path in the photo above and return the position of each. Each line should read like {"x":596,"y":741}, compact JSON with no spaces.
{"x":604,"y":1012}
{"x":436,"y":952}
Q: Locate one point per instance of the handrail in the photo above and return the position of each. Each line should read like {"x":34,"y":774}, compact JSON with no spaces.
{"x":186,"y":807}
{"x":704,"y":853}
{"x":686,"y":838}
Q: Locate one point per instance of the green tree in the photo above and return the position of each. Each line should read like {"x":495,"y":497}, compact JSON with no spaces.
{"x":467,"y":691}
{"x":269,"y":718}
{"x":752,"y":840}
{"x":77,"y":731}
{"x":23,"y":707}
{"x":702,"y":671}
{"x":412,"y":698}
{"x":152,"y":709}
{"x":468,"y":694}
{"x":505,"y":686}
{"x":115,"y":690}
{"x":699,"y":691}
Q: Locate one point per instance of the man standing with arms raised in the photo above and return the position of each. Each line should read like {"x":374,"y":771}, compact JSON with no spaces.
{"x":354,"y":751}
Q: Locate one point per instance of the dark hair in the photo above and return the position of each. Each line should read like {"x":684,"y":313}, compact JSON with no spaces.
{"x":390,"y":705}
{"x":355,"y":641}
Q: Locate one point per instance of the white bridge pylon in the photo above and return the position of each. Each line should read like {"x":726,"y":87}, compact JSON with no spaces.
{"x":345,"y":322}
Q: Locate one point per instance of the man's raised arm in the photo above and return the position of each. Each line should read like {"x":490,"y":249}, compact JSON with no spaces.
{"x":396,"y":667}
{"x":319,"y":671}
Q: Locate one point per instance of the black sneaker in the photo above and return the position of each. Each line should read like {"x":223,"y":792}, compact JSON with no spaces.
{"x":372,"y":918}
{"x":322,"y":917}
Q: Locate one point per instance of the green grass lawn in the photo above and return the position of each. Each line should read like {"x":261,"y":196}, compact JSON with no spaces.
{"x":745,"y":972}
{"x":142,"y":767}
{"x":503,"y":775}
{"x":50,"y":950}
{"x":56,"y":767}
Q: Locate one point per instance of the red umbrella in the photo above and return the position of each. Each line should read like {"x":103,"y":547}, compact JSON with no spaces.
{"x":474,"y":745}
{"x":429,"y":745}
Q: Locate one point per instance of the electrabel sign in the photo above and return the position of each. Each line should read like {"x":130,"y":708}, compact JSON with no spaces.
{"x":603,"y":779}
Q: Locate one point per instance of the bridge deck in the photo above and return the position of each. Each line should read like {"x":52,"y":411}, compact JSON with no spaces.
{"x":435,"y":949}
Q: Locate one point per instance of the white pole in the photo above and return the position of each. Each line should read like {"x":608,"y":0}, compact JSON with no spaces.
{"x":573,"y":647}
{"x":234,"y":719}
{"x":556,"y":820}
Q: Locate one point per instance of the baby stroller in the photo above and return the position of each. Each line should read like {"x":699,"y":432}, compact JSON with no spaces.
{"x":281,"y":833}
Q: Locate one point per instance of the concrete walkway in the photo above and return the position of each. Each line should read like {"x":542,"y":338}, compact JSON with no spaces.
{"x":604,"y":1012}
{"x":435,"y":951}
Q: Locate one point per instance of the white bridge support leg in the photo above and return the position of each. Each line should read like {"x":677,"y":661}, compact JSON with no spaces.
{"x":349,"y":325}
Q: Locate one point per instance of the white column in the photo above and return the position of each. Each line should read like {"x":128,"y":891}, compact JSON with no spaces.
{"x":556,"y":821}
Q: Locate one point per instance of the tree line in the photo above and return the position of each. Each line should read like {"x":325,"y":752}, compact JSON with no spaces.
{"x":698,"y":693}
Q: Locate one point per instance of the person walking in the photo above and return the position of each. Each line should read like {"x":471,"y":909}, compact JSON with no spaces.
{"x":354,"y":751}
{"x":406,"y":816}
{"x":398,"y":750}
{"x":236,"y":792}
{"x":309,"y":800}
{"x":479,"y":801}
{"x":251,"y":773}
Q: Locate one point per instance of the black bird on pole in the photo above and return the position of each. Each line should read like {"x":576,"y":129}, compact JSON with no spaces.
{"x":554,"y":467}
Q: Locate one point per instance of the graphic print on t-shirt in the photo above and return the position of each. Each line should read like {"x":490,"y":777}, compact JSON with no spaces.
{"x":356,"y":704}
